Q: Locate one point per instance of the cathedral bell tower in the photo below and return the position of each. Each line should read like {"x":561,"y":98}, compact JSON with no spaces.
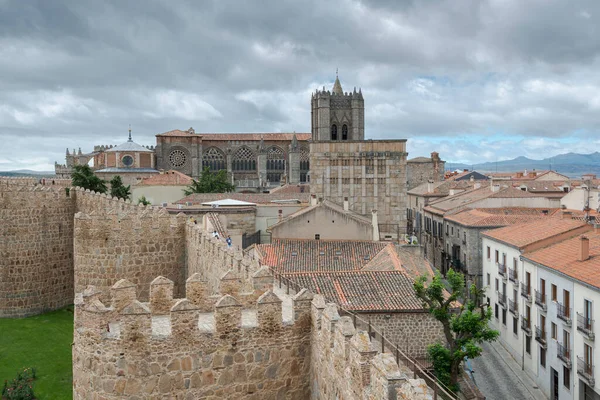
{"x":337,"y":116}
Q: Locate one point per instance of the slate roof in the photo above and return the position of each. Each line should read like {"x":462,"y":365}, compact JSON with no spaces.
{"x":564,"y":258}
{"x":257,"y":198}
{"x":169,"y":178}
{"x":129,"y":146}
{"x":364,"y":290}
{"x":522,"y":235}
{"x":442,"y":188}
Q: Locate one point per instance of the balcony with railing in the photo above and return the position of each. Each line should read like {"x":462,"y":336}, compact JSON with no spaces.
{"x":563,"y":313}
{"x":502,"y":270}
{"x":585,"y":370}
{"x":540,"y":300}
{"x":526,"y":292}
{"x":512,"y":275}
{"x":564,"y":353}
{"x":502,"y":299}
{"x":540,"y":336}
{"x":526,"y":325}
{"x":585,"y":325}
{"x":513,"y":307}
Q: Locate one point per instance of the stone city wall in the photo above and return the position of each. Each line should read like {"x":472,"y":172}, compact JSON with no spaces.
{"x":36,"y":248}
{"x":34,"y":181}
{"x":171,"y":348}
{"x":346,"y":364}
{"x":116,"y":240}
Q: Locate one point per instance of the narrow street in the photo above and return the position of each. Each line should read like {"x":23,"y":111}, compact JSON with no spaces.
{"x":499,"y":376}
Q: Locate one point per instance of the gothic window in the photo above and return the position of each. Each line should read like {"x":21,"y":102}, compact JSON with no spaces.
{"x":304,"y":164}
{"x":243,"y":160}
{"x":177,"y":158}
{"x":214,"y":159}
{"x":334,"y":132}
{"x":344,"y":132}
{"x":275,"y":164}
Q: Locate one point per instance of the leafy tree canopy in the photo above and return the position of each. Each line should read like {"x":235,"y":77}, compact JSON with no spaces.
{"x":465,"y":326}
{"x":117,"y":189}
{"x":83,"y":176}
{"x":210,"y":182}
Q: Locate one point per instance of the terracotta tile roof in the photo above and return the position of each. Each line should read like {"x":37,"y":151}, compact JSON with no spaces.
{"x":258,"y":198}
{"x":240,"y":136}
{"x":291,"y":256}
{"x":364,"y":290}
{"x":170,"y":177}
{"x":564,"y":257}
{"x":495,"y":217}
{"x":522,"y":235}
{"x":255,"y":136}
{"x":301,"y":188}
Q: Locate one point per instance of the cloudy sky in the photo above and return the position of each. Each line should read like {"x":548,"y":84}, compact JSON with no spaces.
{"x":474,"y":80}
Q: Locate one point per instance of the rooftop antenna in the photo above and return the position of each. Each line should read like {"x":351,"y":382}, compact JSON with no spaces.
{"x":129,"y":140}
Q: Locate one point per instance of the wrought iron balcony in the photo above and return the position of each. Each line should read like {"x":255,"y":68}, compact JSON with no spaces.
{"x":563,"y":313}
{"x":513,"y":307}
{"x":586,"y":371}
{"x":585,"y":325}
{"x":540,"y":300}
{"x":512,"y":275}
{"x":564,"y":353}
{"x":526,"y":292}
{"x":502,"y":270}
{"x":526,"y":325}
{"x":502,"y":299}
{"x":540,"y":336}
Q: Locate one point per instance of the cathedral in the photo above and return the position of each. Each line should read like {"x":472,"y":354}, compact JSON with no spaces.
{"x":337,"y":161}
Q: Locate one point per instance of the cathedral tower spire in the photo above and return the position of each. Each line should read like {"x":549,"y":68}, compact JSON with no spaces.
{"x":337,"y":86}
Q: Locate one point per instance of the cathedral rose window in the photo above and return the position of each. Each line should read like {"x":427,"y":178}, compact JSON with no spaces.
{"x":127,"y":161}
{"x":177,"y":158}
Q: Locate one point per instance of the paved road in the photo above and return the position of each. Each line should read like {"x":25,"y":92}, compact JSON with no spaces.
{"x":496,"y":376}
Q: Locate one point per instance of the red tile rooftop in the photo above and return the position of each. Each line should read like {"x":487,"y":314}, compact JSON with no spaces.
{"x":495,"y":217}
{"x":564,"y":257}
{"x":537,"y":233}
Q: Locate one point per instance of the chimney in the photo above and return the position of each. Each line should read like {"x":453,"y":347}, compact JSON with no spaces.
{"x":495,"y":188}
{"x":519,"y":174}
{"x":313,"y":199}
{"x":375,"y":225}
{"x":566,"y":215}
{"x":532,"y":174}
{"x":596,"y":228}
{"x":451,"y":192}
{"x":584,"y":251}
{"x":472,"y":178}
{"x":346,"y":204}
{"x":429,"y":186}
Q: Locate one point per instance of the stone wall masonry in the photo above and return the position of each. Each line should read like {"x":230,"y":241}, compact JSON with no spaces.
{"x":412,"y":332}
{"x":127,"y":350}
{"x":36,"y":248}
{"x":115,"y":239}
{"x":346,"y":364}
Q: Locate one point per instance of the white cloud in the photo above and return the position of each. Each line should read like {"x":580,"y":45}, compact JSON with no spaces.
{"x":187,"y":106}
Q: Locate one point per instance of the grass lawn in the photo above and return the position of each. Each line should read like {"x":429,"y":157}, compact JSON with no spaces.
{"x":42,"y":342}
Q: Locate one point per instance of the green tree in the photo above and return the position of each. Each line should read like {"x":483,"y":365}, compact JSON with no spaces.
{"x":465,"y":326}
{"x":83,"y":176}
{"x":117,"y":189}
{"x":210,"y":182}
{"x":144,"y":201}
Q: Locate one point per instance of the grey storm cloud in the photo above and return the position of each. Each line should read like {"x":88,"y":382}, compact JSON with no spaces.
{"x":440,"y":73}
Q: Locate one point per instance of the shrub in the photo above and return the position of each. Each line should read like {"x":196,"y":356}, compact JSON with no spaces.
{"x":20,"y":388}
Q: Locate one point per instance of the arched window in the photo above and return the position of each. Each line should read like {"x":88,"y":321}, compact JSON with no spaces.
{"x":243,"y":160}
{"x":275,"y":164}
{"x":334,"y":132}
{"x":214,"y":159}
{"x":344,"y":132}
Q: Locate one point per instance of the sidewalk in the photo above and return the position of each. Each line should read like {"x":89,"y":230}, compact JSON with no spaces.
{"x":500,"y":377}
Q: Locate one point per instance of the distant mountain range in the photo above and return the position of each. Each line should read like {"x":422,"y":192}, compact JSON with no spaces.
{"x":571,"y":164}
{"x":26,"y":173}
